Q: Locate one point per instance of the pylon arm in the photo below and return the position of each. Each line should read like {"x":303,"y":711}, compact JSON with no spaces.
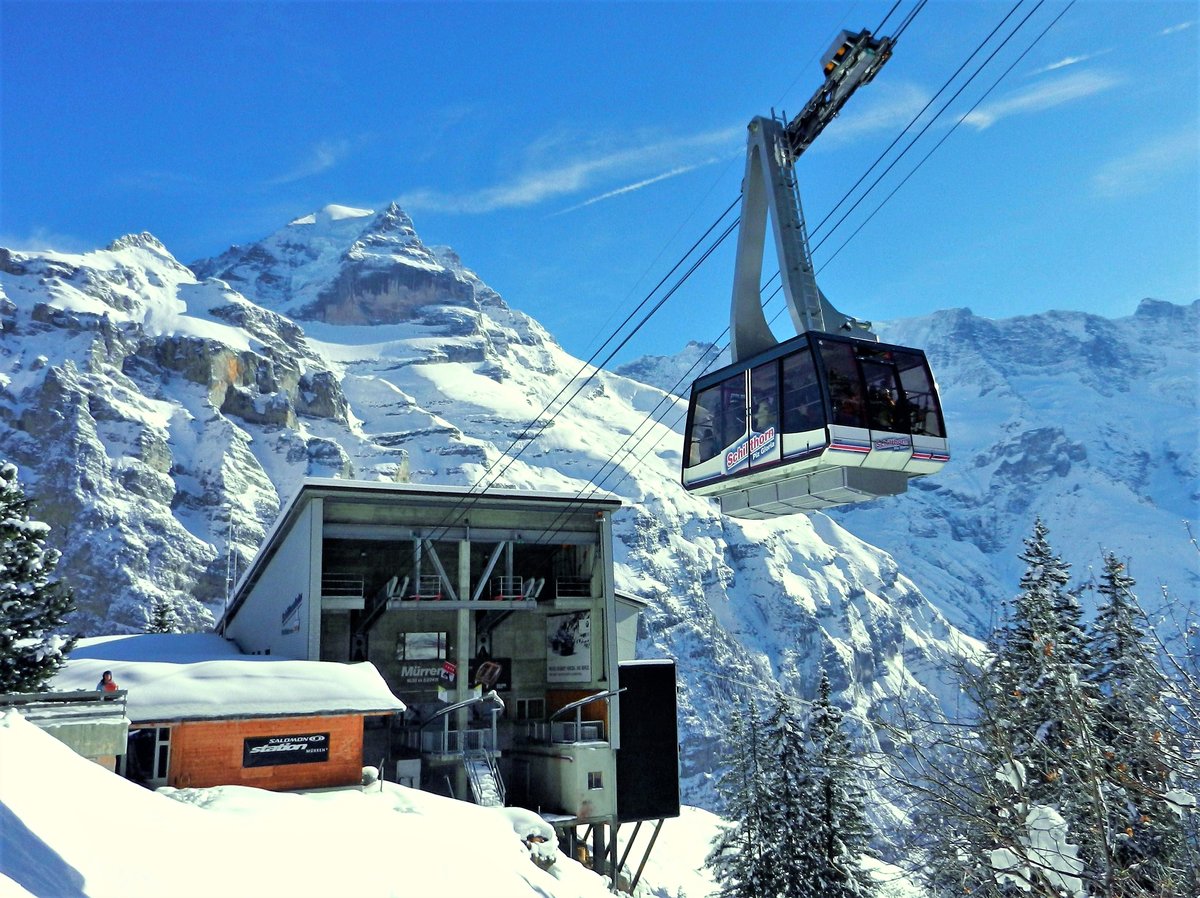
{"x":769,"y":188}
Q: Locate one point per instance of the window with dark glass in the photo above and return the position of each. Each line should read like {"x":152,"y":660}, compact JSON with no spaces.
{"x":764,"y":397}
{"x":718,"y":419}
{"x":803,"y":406}
{"x":925,"y":413}
{"x":885,"y":405}
{"x":846,"y":399}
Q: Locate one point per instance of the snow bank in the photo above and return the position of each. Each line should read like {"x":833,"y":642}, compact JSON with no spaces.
{"x":71,"y":828}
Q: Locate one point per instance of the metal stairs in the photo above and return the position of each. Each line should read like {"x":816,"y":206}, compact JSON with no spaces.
{"x":487,"y":787}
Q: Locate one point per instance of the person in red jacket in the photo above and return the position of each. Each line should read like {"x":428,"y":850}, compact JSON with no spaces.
{"x":107,"y":683}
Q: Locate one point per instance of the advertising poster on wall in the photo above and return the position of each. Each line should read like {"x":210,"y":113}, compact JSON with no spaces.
{"x":569,"y":647}
{"x":274,"y":751}
{"x":490,"y":673}
{"x":421,"y":656}
{"x":447,"y":681}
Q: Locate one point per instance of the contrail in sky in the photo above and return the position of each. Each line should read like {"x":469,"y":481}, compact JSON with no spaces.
{"x":629,"y":188}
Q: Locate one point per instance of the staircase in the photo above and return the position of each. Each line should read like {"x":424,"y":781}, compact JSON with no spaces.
{"x":486,"y":785}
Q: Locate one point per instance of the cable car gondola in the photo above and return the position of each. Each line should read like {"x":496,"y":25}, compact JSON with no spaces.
{"x":831,"y":416}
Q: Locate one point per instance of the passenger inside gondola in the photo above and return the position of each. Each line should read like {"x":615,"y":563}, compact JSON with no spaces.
{"x":884,"y":414}
{"x":846,"y":400}
{"x":764,"y":416}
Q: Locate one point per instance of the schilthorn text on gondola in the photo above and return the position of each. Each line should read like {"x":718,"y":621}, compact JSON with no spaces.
{"x":758,"y":445}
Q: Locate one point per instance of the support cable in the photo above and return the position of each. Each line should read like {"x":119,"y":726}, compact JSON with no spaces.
{"x":929,"y":124}
{"x":961,"y":119}
{"x":618,"y":457}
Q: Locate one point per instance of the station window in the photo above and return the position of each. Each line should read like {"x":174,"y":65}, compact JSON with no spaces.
{"x":531,"y":708}
{"x":595,"y":779}
{"x":433,"y":646}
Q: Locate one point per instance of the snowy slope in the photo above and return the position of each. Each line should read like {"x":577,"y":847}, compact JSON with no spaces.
{"x":382,"y":840}
{"x":388,"y":842}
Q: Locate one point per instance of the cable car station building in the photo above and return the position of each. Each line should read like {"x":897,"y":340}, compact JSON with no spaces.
{"x":493,"y":616}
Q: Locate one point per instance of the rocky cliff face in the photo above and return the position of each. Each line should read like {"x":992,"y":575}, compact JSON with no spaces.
{"x":161,"y":414}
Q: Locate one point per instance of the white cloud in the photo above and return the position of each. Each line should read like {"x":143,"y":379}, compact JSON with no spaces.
{"x":324,"y":156}
{"x":547,"y":180}
{"x":629,"y":188}
{"x":1041,"y":97}
{"x":1175,"y":29}
{"x":1066,"y":61}
{"x":1147,"y":167}
{"x":889,"y":109}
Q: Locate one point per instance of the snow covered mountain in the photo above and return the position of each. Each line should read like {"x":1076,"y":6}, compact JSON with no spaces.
{"x":161,"y":414}
{"x":1088,"y":422}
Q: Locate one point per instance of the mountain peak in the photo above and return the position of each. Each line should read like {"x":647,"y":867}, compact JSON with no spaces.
{"x":144,"y":240}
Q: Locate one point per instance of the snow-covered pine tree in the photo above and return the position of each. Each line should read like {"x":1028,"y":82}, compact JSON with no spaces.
{"x":839,"y":830}
{"x":740,"y":857}
{"x":791,"y":788}
{"x":1141,"y":748}
{"x":1042,"y":671}
{"x":164,"y":618}
{"x":33,"y":606}
{"x":1031,"y":760}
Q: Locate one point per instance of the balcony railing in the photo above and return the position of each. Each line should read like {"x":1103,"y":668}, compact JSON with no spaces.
{"x":67,"y":707}
{"x":443,"y":740}
{"x":573,"y":587}
{"x":565,"y":731}
{"x":342,"y":586}
{"x":451,"y":742}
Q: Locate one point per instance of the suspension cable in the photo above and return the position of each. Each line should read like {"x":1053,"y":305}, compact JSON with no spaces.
{"x":613,"y":462}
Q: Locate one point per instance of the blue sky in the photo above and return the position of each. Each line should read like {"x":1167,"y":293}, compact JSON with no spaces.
{"x":572,"y":151}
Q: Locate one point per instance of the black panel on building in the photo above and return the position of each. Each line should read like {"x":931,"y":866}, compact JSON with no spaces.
{"x":648,"y":762}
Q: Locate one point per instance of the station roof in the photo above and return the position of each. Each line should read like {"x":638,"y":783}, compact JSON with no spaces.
{"x":201,"y":676}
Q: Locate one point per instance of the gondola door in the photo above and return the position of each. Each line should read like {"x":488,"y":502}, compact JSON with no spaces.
{"x":764,"y":444}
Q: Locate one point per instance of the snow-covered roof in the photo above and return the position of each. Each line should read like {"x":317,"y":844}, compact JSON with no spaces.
{"x":202,"y":676}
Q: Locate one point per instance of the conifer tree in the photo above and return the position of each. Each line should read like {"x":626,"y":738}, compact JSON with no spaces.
{"x":741,"y":858}
{"x":1030,"y":759}
{"x":791,"y":787}
{"x":1141,"y":749}
{"x":33,"y":606}
{"x":1068,"y":784}
{"x":1040,"y":674}
{"x":838,"y":824}
{"x":164,"y":618}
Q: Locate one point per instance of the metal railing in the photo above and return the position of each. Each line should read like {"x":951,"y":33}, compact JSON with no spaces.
{"x":573,"y":587}
{"x":67,"y":707}
{"x":446,"y":741}
{"x":507,"y":588}
{"x":565,"y":731}
{"x":342,"y":586}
